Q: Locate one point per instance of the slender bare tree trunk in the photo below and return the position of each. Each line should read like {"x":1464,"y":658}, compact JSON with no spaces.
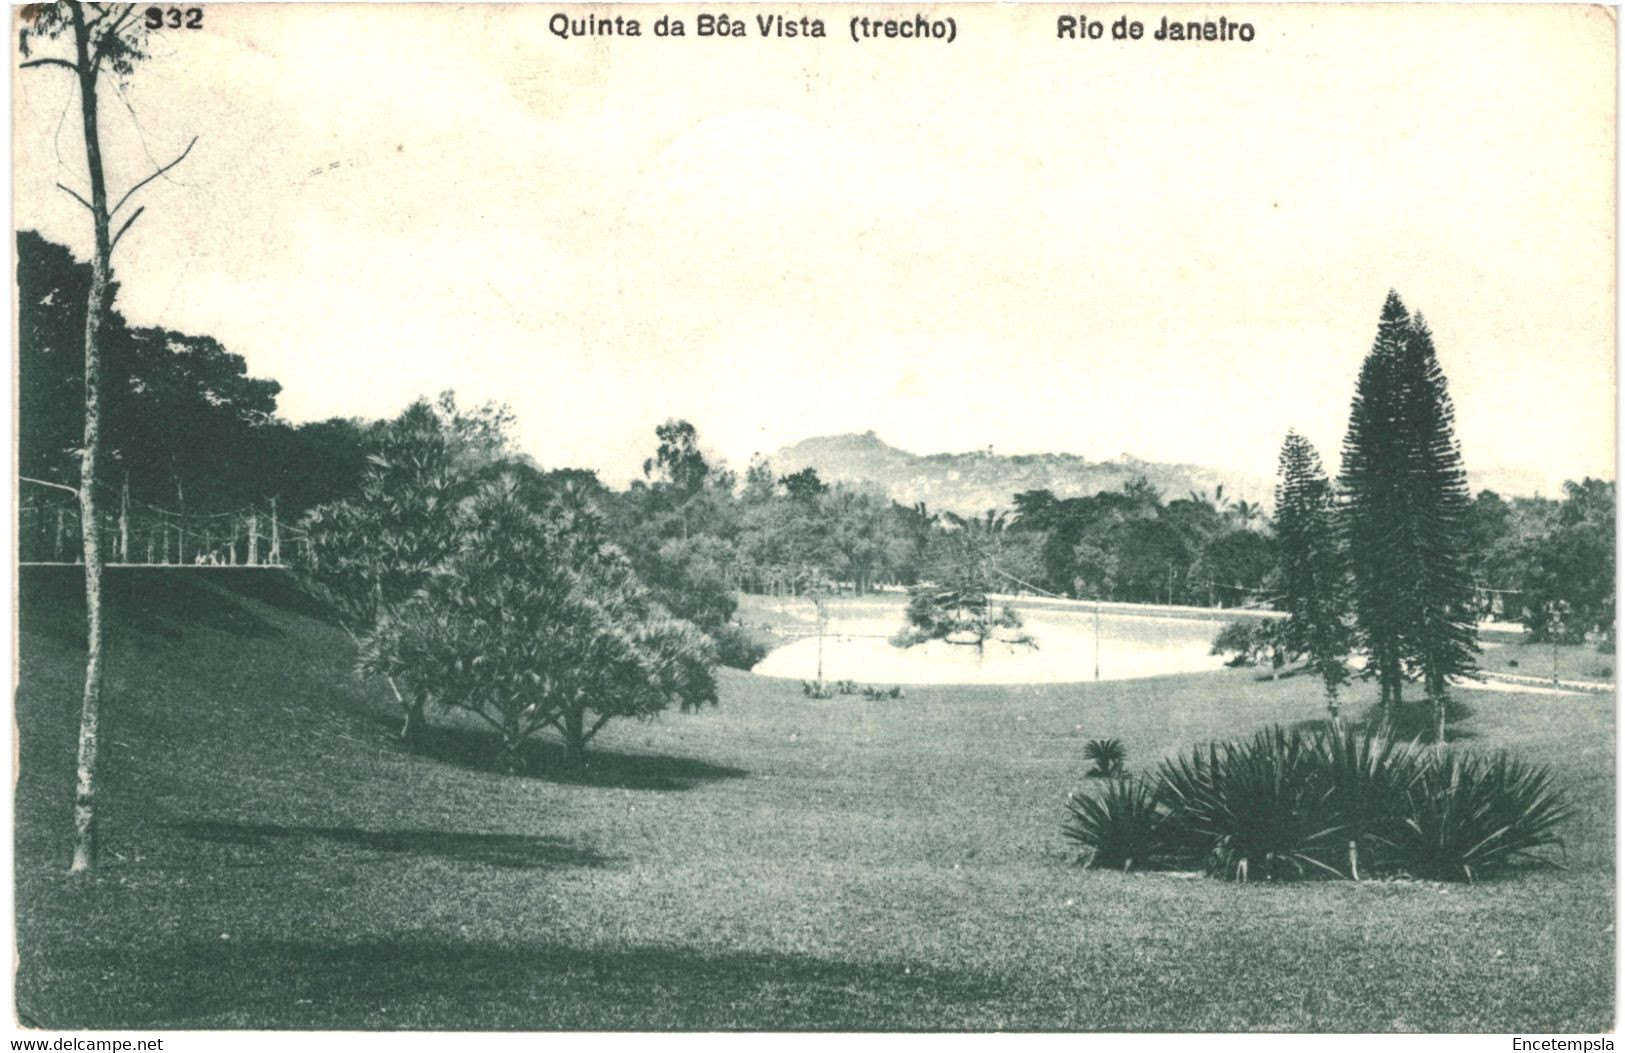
{"x":84,"y":799}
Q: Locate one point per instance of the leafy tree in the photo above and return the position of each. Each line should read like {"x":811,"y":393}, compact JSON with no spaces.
{"x":690,"y":579}
{"x":860,"y":533}
{"x":1571,"y":567}
{"x":804,"y":485}
{"x":535,"y":622}
{"x":1313,"y":572}
{"x":678,"y":461}
{"x":184,"y":425}
{"x":1238,"y":565}
{"x":372,"y":552}
{"x":759,"y":484}
{"x":941,"y":609}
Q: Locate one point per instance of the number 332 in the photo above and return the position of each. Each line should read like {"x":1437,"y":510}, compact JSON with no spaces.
{"x":174,"y":18}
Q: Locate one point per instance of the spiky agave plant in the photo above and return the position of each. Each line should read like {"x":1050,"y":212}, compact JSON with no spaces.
{"x":1258,"y":809}
{"x":1470,"y":816}
{"x":1122,"y":824}
{"x":1370,"y":776}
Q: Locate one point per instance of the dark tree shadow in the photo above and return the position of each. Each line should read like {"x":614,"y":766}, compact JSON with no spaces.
{"x":476,"y":749}
{"x":171,"y":603}
{"x":1412,"y":721}
{"x":148,"y":602}
{"x":516,"y":851}
{"x":282,"y":589}
{"x":447,"y":984}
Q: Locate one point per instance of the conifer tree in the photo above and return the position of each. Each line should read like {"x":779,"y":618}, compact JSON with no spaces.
{"x":1441,"y":631}
{"x":1313,"y":568}
{"x":1375,"y":521}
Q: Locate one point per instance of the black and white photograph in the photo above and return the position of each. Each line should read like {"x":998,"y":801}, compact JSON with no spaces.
{"x":969,"y":518}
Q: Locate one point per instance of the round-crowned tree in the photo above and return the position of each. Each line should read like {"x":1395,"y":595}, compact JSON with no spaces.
{"x":536,"y":622}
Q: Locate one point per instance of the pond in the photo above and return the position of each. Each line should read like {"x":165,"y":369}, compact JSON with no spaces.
{"x":856,"y":647}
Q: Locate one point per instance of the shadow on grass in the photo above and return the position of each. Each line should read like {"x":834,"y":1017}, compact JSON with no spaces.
{"x":164,"y":603}
{"x":465,"y":985}
{"x":480,"y":750}
{"x":517,"y":851}
{"x":283,"y":589}
{"x":1412,"y":721}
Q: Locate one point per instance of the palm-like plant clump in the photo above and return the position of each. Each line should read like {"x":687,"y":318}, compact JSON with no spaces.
{"x":1107,"y":755}
{"x":1257,"y":809}
{"x":1121,"y":826}
{"x":1471,"y":815}
{"x":1285,"y":805}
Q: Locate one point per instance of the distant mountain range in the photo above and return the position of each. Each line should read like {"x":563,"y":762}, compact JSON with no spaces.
{"x":972,"y":483}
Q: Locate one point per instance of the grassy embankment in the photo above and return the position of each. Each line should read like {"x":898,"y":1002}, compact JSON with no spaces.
{"x":275,"y":859}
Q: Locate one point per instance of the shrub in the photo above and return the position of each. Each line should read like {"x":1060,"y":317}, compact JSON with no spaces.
{"x":1108,"y":756}
{"x":1290,"y":804}
{"x":737,"y":647}
{"x":1236,"y":639}
{"x":1255,"y":642}
{"x":906,"y":638}
{"x":1470,"y":816}
{"x":1121,"y":825}
{"x":1257,"y":809}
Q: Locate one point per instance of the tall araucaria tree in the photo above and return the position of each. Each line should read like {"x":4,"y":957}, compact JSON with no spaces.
{"x":102,"y":39}
{"x":1375,"y":464}
{"x":1313,"y":569}
{"x":1441,"y":635}
{"x":1408,"y":517}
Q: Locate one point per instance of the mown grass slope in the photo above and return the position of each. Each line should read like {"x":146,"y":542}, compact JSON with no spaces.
{"x":274,"y":858}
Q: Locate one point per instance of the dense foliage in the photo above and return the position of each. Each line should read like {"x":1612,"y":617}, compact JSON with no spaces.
{"x":1313,"y":572}
{"x":1408,"y":516}
{"x":184,"y":423}
{"x":371,"y":552}
{"x":535,"y":621}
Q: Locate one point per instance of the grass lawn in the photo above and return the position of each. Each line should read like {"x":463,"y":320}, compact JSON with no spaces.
{"x":1574,"y":662}
{"x":274,"y":859}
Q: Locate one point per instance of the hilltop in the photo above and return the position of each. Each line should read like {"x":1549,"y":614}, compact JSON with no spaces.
{"x":973,"y":482}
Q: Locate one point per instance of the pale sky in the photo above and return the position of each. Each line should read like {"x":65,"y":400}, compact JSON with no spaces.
{"x":1174,"y":250}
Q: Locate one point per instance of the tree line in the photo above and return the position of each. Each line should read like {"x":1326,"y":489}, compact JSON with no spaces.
{"x":1396,"y":559}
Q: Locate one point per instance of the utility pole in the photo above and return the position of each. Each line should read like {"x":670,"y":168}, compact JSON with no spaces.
{"x":1097,"y":638}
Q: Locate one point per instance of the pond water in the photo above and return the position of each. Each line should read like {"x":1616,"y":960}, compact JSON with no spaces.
{"x":856,"y":647}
